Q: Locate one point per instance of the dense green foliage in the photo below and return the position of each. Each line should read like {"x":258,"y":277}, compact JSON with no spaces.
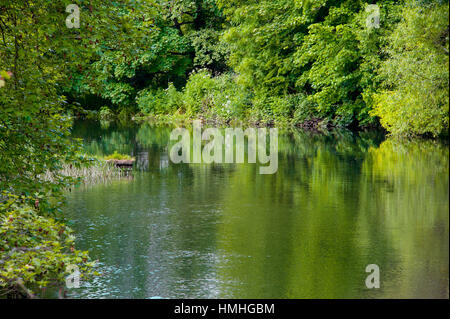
{"x":39,"y":54}
{"x":218,"y":98}
{"x":282,"y":61}
{"x":118,"y":156}
{"x":169,"y":40}
{"x":414,"y":98}
{"x":34,"y":250}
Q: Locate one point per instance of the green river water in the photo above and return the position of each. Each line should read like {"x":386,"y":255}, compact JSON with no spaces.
{"x":338,"y":202}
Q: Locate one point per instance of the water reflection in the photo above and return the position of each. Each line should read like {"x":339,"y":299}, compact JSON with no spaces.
{"x":337,"y":203}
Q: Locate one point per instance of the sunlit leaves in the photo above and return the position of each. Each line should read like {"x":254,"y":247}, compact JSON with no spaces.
{"x":415,"y":76}
{"x":34,"y":250}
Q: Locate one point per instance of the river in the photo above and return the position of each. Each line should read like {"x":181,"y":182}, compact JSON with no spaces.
{"x":338,"y":202}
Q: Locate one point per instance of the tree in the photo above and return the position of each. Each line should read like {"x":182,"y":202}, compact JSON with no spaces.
{"x":39,"y":51}
{"x":415,"y":79}
{"x":321,"y":50}
{"x":170,"y":39}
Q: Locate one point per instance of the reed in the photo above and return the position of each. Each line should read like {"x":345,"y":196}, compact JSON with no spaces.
{"x":97,"y":170}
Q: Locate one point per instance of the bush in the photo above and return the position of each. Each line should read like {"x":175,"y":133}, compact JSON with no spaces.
{"x":217,"y":96}
{"x":304,"y":108}
{"x":123,"y":115}
{"x":117,"y":156}
{"x":35,"y":250}
{"x":229,"y":100}
{"x":106,"y":114}
{"x":197,"y":92}
{"x":414,"y":100}
{"x":284,"y":110}
{"x":159,"y":101}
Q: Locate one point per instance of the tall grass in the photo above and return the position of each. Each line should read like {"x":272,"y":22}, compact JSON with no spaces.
{"x":96,"y":171}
